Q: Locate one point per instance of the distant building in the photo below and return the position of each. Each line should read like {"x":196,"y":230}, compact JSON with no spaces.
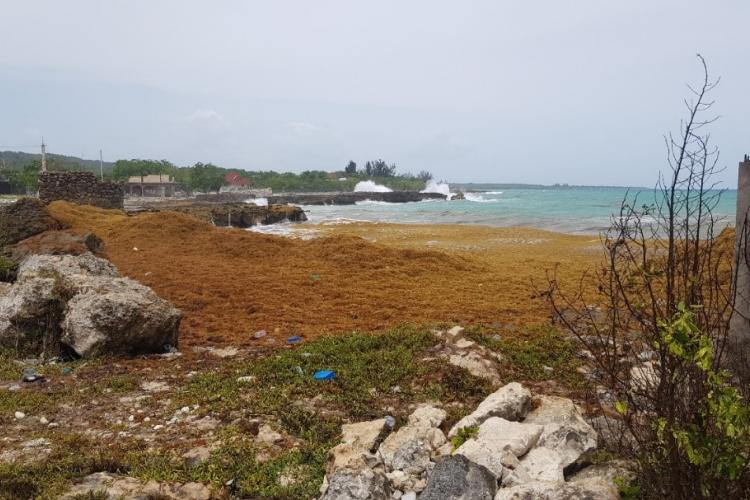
{"x":235,"y":179}
{"x":155,"y":185}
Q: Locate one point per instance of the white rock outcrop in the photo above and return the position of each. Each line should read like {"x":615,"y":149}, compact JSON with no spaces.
{"x":519,"y":454}
{"x":82,"y":300}
{"x":498,"y":444}
{"x":565,"y":430}
{"x":594,"y":488}
{"x":510,"y":402}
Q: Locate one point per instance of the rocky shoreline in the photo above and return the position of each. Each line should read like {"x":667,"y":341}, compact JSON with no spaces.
{"x":224,"y":213}
{"x":338,"y":198}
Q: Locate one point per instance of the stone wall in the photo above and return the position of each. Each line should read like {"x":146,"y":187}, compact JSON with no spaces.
{"x":83,"y":188}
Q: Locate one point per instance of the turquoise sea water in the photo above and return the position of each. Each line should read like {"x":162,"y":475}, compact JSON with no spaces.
{"x":584,"y":210}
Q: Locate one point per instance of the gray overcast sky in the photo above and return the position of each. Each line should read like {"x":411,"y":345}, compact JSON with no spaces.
{"x":576,"y":91}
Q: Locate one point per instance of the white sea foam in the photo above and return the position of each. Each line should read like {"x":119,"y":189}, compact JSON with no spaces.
{"x":370,"y":187}
{"x":479,"y":198}
{"x":285,"y":229}
{"x":261,"y":202}
{"x":437,"y":187}
{"x":373,"y":202}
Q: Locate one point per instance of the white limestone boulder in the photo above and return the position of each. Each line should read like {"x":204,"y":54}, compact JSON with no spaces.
{"x":593,"y":489}
{"x":510,"y":402}
{"x":410,"y":449}
{"x":565,"y":429}
{"x":356,"y":447}
{"x":357,"y":484}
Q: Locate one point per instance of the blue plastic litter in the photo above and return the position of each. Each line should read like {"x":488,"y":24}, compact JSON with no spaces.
{"x":294,"y":340}
{"x":67,"y":370}
{"x":324,"y":375}
{"x":390,"y":421}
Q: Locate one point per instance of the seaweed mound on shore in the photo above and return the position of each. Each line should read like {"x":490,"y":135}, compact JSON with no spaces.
{"x":231,"y":283}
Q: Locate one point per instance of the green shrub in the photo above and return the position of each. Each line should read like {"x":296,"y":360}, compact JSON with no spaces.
{"x":464,"y":434}
{"x":717,"y":442}
{"x":7,"y":268}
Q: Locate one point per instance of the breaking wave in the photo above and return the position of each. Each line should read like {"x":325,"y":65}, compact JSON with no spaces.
{"x":371,"y":187}
{"x":479,"y":198}
{"x":437,"y":187}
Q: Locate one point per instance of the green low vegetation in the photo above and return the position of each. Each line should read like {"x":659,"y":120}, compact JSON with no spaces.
{"x":464,"y":434}
{"x":376,"y":375}
{"x":527,"y":352}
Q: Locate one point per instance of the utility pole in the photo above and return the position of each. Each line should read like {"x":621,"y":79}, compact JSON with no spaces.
{"x":44,"y":156}
{"x":739,"y":325}
{"x":101,"y":168}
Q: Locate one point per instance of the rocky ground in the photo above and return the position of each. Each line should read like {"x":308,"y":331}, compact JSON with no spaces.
{"x":254,"y":423}
{"x":102,"y":396}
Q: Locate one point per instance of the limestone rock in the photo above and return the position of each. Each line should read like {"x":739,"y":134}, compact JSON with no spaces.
{"x":458,"y":478}
{"x":30,"y":451}
{"x":26,"y":307}
{"x":543,"y":464}
{"x":480,"y":453}
{"x":267,"y":435}
{"x":228,"y":214}
{"x":196,"y":456}
{"x":357,"y":446}
{"x":476,"y":364}
{"x":84,"y":301}
{"x":118,"y":487}
{"x":593,"y":489}
{"x":119,"y":316}
{"x":411,"y":447}
{"x":565,"y":429}
{"x":499,"y":443}
{"x":467,"y":354}
{"x":428,"y":415}
{"x":612,"y":430}
{"x":402,"y":481}
{"x":501,"y":434}
{"x":644,"y":377}
{"x":510,"y":402}
{"x":608,"y":471}
{"x":361,"y":484}
{"x":65,"y":266}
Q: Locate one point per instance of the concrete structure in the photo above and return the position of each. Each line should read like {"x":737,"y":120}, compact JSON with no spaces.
{"x":83,"y":188}
{"x":250,"y":192}
{"x":739,"y":328}
{"x":155,"y":185}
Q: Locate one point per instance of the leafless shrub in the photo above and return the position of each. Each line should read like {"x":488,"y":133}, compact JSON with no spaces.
{"x":663,"y":257}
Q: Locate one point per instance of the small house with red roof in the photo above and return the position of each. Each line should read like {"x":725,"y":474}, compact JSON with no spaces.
{"x":235,"y":179}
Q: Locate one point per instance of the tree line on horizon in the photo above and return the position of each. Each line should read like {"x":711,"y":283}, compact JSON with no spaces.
{"x":208,"y":177}
{"x":21,"y":171}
